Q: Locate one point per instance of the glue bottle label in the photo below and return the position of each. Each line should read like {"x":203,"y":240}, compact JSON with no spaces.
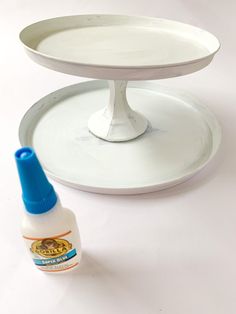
{"x":54,"y":253}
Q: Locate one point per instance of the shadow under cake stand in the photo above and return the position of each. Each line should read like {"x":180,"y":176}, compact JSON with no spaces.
{"x":103,"y":137}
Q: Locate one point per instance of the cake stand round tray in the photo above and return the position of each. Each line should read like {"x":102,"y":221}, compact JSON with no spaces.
{"x":107,"y":138}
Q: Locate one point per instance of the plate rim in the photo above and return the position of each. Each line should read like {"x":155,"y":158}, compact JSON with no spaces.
{"x":121,"y":67}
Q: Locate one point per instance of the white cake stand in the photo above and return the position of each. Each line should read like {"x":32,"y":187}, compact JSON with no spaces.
{"x":135,"y":140}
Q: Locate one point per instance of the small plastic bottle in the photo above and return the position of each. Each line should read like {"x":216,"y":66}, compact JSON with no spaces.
{"x":49,"y":230}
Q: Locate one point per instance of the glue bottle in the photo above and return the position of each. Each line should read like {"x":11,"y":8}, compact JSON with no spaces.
{"x":49,"y":230}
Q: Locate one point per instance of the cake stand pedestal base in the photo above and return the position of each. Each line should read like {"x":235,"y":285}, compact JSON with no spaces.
{"x":117,"y":122}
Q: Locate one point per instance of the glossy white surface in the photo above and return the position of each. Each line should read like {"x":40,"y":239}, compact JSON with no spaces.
{"x":181,"y":138}
{"x":168,"y":252}
{"x":122,"y":45}
{"x":99,"y":45}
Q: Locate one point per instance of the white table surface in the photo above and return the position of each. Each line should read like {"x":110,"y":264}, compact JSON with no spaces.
{"x":168,"y":252}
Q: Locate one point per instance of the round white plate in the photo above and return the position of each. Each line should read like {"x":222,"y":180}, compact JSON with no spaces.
{"x":119,"y":47}
{"x":182,"y":138}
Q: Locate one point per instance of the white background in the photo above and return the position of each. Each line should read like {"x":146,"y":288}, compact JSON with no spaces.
{"x":168,"y":252}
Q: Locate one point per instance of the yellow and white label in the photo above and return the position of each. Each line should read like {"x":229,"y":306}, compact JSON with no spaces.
{"x":54,"y":253}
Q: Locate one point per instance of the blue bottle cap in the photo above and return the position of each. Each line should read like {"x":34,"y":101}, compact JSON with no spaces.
{"x":37,"y":193}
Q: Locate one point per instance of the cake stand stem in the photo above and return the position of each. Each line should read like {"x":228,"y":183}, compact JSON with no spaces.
{"x":117,"y":122}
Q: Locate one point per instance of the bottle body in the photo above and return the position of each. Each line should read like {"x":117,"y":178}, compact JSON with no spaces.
{"x":52,"y":239}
